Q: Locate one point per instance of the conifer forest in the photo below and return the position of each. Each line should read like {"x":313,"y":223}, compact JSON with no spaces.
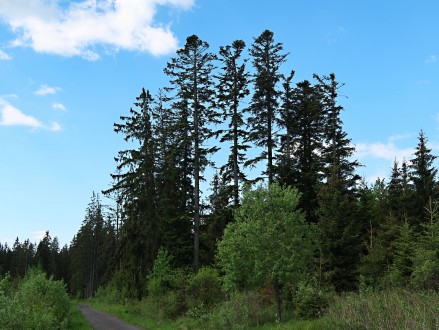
{"x":237,"y":202}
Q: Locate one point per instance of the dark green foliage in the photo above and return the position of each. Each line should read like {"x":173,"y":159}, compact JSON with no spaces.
{"x":423,"y":177}
{"x":425,"y":273}
{"x":92,"y":252}
{"x":135,"y":181}
{"x":22,"y":258}
{"x":193,"y":89}
{"x":219,"y":214}
{"x":401,"y":268}
{"x":232,"y":89}
{"x":44,"y":254}
{"x":174,"y":190}
{"x":299,"y":162}
{"x":264,"y":107}
{"x":340,"y":237}
{"x":337,"y":149}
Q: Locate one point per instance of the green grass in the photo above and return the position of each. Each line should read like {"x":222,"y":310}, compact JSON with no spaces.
{"x":76,"y":320}
{"x":134,"y":313}
{"x":319,"y":324}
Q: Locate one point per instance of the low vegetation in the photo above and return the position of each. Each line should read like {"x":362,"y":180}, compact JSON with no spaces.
{"x":35,"y":302}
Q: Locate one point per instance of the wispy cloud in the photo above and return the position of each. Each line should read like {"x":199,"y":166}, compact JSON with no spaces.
{"x":333,"y":36}
{"x":46,"y":90}
{"x":4,"y":56}
{"x":75,"y":29}
{"x":389,"y":151}
{"x":423,"y":82}
{"x":38,"y":234}
{"x":431,"y":59}
{"x":59,"y":106}
{"x":55,"y":127}
{"x":12,"y":116}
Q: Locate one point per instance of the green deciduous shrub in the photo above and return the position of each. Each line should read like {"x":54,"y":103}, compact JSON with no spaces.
{"x":311,"y":302}
{"x":38,"y":303}
{"x":204,"y":289}
{"x":167,"y":285}
{"x":242,"y":311}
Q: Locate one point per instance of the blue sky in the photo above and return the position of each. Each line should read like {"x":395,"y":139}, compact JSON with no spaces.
{"x":69,"y":69}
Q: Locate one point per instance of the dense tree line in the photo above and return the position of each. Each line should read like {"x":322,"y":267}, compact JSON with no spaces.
{"x":241,"y":100}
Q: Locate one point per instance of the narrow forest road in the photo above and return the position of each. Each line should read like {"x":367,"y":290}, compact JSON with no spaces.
{"x":101,"y":321}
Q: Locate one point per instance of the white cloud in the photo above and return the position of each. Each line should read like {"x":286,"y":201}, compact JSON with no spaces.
{"x":38,"y":234}
{"x":12,"y":116}
{"x":431,"y":59}
{"x":55,"y":127}
{"x":388,"y":151}
{"x":4,"y":56}
{"x":59,"y":106}
{"x":46,"y":90}
{"x":75,"y":29}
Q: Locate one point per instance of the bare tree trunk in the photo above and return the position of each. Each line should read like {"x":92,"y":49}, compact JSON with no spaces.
{"x":278,"y":300}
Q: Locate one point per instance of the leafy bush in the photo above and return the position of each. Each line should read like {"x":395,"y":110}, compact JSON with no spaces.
{"x":162,"y":277}
{"x":167,"y":285}
{"x":204,"y":289}
{"x":241,"y":311}
{"x":311,"y":302}
{"x":39,"y":303}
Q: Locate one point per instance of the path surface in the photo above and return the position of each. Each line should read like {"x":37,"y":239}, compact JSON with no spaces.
{"x":101,"y":321}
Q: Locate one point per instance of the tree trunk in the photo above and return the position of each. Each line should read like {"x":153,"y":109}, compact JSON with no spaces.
{"x":278,"y":300}
{"x":196,"y":175}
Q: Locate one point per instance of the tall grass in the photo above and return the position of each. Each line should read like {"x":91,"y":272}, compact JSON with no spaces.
{"x":390,"y":309}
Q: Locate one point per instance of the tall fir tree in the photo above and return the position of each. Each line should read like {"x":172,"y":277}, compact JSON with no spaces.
{"x":337,"y":150}
{"x":422,"y":175}
{"x":299,"y":161}
{"x":267,"y":59}
{"x":92,"y":252}
{"x":341,"y":229}
{"x":191,"y":81}
{"x":232,"y":87}
{"x":135,"y":180}
{"x":173,"y":180}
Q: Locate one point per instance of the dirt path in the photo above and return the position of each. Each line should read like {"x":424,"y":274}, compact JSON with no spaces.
{"x":101,"y":321}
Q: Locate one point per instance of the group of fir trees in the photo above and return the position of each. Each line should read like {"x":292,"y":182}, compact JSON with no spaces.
{"x":239,"y":100}
{"x":218,"y":101}
{"x":22,"y":256}
{"x":401,"y":226}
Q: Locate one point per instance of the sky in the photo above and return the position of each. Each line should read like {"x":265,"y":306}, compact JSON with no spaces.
{"x":69,"y":69}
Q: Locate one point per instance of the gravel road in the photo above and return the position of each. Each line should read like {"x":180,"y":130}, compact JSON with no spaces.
{"x":101,"y":321}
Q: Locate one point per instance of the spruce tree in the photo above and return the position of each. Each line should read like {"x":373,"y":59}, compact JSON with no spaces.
{"x":341,"y":228}
{"x":299,"y":161}
{"x":423,"y":177}
{"x":264,"y":106}
{"x":232,"y":89}
{"x":135,"y":180}
{"x":337,"y":148}
{"x":173,"y":180}
{"x":191,"y":82}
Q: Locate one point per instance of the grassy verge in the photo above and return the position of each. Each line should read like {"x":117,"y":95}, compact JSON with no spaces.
{"x":133,"y":314}
{"x":136,"y":314}
{"x":76,"y":320}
